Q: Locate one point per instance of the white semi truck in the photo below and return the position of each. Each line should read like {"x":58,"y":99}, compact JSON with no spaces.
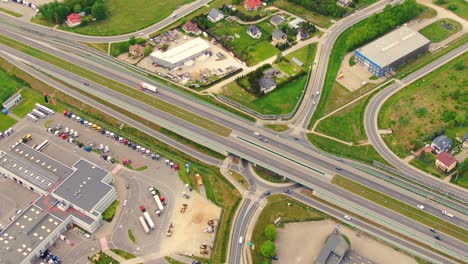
{"x":149,"y":220}
{"x":158,"y":202}
{"x":143,"y":224}
{"x":149,"y":87}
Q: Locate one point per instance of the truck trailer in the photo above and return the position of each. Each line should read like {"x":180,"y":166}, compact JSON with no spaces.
{"x":149,"y":220}
{"x":158,"y":202}
{"x":148,"y":87}
{"x":143,"y":224}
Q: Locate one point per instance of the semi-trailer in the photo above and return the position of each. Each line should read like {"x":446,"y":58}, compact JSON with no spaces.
{"x":143,"y":224}
{"x":149,"y":220}
{"x":158,"y":202}
{"x":148,"y":87}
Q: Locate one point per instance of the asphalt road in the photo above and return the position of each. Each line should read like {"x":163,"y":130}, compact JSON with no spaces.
{"x":263,"y":157}
{"x":371,"y":118}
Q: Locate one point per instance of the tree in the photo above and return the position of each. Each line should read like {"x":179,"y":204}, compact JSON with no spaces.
{"x":268,"y":249}
{"x":132,"y":40}
{"x":271,"y":232}
{"x":460,"y":119}
{"x":236,"y":2}
{"x":463,"y":168}
{"x":460,"y":65}
{"x":452,"y":7}
{"x":164,"y":47}
{"x":99,"y":11}
{"x":55,"y":12}
{"x":77,"y":8}
{"x":148,"y":50}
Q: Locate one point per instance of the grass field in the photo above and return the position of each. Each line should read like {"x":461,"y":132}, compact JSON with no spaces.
{"x":123,"y":254}
{"x":269,"y":175}
{"x":127,"y":16}
{"x":347,"y":124}
{"x":461,"y":7}
{"x":461,"y":180}
{"x":10,"y":12}
{"x":407,"y":210}
{"x":440,"y":30}
{"x":427,"y":165}
{"x":6,"y":122}
{"x":253,"y":50}
{"x":300,"y":11}
{"x":240,"y":179}
{"x":305,"y":54}
{"x":436,"y":101}
{"x":280,"y":101}
{"x":128,"y":91}
{"x":365,"y":153}
{"x":277,"y":127}
{"x":30,"y":98}
{"x":278,"y":207}
{"x":10,"y":85}
{"x":104,"y":47}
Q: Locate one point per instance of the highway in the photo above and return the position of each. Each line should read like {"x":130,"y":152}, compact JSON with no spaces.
{"x":262,"y":157}
{"x":372,"y":113}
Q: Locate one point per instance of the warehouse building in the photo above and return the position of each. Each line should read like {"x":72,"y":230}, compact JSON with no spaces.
{"x":69,"y":196}
{"x":391,"y":51}
{"x":177,"y":56}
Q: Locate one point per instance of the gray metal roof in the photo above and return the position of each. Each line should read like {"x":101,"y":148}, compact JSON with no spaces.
{"x":278,"y":34}
{"x":335,"y":248}
{"x":393,"y":46}
{"x":253,"y":29}
{"x":12,"y":99}
{"x":24,"y":234}
{"x":214,"y":13}
{"x":277,"y":19}
{"x":442,"y":142}
{"x":49,"y":203}
{"x":84,"y":188}
{"x":267,"y":83}
{"x":34,"y":166}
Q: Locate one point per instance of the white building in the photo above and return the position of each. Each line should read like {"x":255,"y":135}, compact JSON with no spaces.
{"x":177,"y":56}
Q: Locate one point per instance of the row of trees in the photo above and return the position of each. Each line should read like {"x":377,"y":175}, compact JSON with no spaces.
{"x":268,"y":247}
{"x":379,"y":24}
{"x":56,"y":12}
{"x":241,"y":15}
{"x":323,"y":7}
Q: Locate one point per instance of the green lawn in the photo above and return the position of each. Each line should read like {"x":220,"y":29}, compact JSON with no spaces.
{"x":460,"y":5}
{"x":252,"y":50}
{"x":440,"y":30}
{"x":289,"y":210}
{"x":277,"y":127}
{"x":9,"y":84}
{"x":6,"y":122}
{"x":366,"y":153}
{"x":300,"y":11}
{"x":124,"y":254}
{"x":282,"y":100}
{"x":436,"y":101}
{"x":269,"y":175}
{"x":30,"y":98}
{"x":128,"y":15}
{"x":428,"y":165}
{"x":407,"y":210}
{"x":109,"y":213}
{"x":461,"y":180}
{"x":10,"y":12}
{"x":289,"y":68}
{"x":305,"y":54}
{"x":347,"y":124}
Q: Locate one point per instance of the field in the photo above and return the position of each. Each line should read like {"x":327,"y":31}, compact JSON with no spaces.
{"x":9,"y":85}
{"x":278,"y":207}
{"x":440,"y":30}
{"x":10,"y":12}
{"x":365,"y":153}
{"x":6,"y":122}
{"x":434,"y":102}
{"x":30,"y":99}
{"x":252,"y":50}
{"x":300,"y":11}
{"x":127,"y":16}
{"x":277,"y":127}
{"x":460,"y":5}
{"x":305,"y":54}
{"x":409,"y":211}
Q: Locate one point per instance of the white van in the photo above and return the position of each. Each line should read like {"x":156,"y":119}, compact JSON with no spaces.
{"x":241,"y":239}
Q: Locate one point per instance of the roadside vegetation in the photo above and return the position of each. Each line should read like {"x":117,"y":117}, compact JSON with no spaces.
{"x":131,"y":236}
{"x":459,"y":7}
{"x":10,"y":12}
{"x":6,"y":122}
{"x":417,"y":116}
{"x":277,"y":127}
{"x":102,"y":258}
{"x":363,"y":153}
{"x":441,"y":30}
{"x":461,"y":178}
{"x":173,"y":261}
{"x":264,"y":233}
{"x":109,"y":213}
{"x":410,"y":211}
{"x":319,"y":20}
{"x":269,"y":175}
{"x":124,"y":254}
{"x":240,"y":179}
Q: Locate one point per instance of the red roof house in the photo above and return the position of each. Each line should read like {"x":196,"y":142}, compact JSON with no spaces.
{"x":446,"y":162}
{"x":191,"y":27}
{"x":252,"y":4}
{"x":73,"y":20}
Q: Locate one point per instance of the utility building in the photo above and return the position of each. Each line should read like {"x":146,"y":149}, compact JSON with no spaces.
{"x":392,"y":50}
{"x":177,"y":56}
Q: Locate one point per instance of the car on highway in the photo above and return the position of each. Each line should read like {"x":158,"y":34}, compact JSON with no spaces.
{"x":19,"y":212}
{"x":347,"y":217}
{"x":420,"y":206}
{"x":338,"y":168}
{"x":256,"y":133}
{"x":141,"y":33}
{"x":287,"y":191}
{"x":125,"y":203}
{"x":241,"y":239}
{"x":437,"y":237}
{"x":318,"y":92}
{"x":433,"y":230}
{"x":263,"y":139}
{"x":313,"y":102}
{"x":86,"y":83}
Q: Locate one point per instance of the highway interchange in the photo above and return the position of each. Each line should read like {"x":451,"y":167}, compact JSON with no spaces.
{"x":242,"y":143}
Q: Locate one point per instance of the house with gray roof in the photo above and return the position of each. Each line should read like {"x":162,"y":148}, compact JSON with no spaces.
{"x":267,"y":84}
{"x":277,"y":20}
{"x":254,"y":32}
{"x":279,"y":37}
{"x":334,"y":250}
{"x":441,"y":144}
{"x":215,"y":15}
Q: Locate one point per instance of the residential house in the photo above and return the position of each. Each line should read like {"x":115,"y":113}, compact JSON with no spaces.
{"x":136,"y":50}
{"x":215,"y":15}
{"x":267,"y":85}
{"x":73,"y":20}
{"x":302,"y":34}
{"x":279,"y":37}
{"x":254,"y":32}
{"x":344,"y":3}
{"x":441,"y":144}
{"x":191,"y":28}
{"x":445,"y":162}
{"x":277,"y":20}
{"x":252,"y":5}
{"x":296,"y":22}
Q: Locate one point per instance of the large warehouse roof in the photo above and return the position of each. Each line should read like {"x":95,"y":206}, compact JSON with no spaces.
{"x":182,"y":52}
{"x":393,"y":46}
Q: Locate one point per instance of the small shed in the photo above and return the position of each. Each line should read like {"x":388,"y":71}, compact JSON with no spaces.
{"x":12,"y":101}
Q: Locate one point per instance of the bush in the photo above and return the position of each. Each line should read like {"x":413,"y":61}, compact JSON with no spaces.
{"x":452,"y":7}
{"x":109,"y":213}
{"x":268,"y":249}
{"x":271,"y":232}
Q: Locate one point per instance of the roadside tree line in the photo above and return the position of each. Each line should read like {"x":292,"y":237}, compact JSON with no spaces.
{"x":56,"y":12}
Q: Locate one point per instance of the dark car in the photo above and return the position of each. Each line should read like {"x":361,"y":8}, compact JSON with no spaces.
{"x":438,"y":237}
{"x":86,"y":83}
{"x":128,"y":186}
{"x":275,"y":257}
{"x":287,"y":191}
{"x":433,"y":230}
{"x":338,"y":168}
{"x":196,"y":262}
{"x":267,"y":193}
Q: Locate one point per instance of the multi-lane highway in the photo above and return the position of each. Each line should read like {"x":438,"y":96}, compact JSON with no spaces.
{"x":307,"y":175}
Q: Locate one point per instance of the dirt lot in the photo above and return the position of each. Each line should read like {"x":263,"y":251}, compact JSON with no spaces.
{"x":189,"y":226}
{"x":314,"y":234}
